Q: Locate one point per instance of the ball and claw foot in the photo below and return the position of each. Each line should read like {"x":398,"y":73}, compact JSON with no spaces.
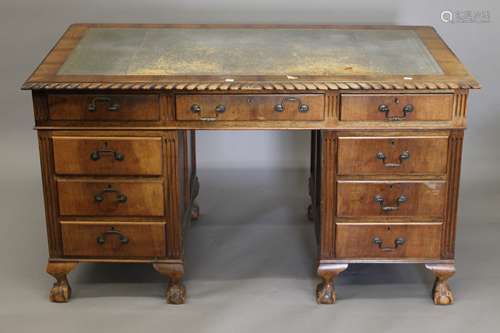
{"x":325,"y":291}
{"x":60,"y":292}
{"x":441,"y":293}
{"x":176,"y":291}
{"x":325,"y":294}
{"x":195,"y":212}
{"x":176,"y":294}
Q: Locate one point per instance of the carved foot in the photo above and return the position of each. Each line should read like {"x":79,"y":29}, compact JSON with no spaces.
{"x":195,"y":212}
{"x":176,"y":292}
{"x":310,"y":213}
{"x":325,"y":291}
{"x":441,"y":292}
{"x":61,"y":290}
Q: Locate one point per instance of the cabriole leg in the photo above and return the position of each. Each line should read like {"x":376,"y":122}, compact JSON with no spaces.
{"x":61,"y":290}
{"x":441,"y":292}
{"x":195,"y":210}
{"x":325,"y":291}
{"x":176,"y":291}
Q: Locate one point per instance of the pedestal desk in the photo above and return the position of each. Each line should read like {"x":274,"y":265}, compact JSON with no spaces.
{"x":116,"y":108}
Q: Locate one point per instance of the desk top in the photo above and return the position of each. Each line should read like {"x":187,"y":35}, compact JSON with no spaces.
{"x":102,"y":56}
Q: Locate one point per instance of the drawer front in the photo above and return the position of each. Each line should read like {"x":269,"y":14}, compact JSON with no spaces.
{"x":111,"y":198}
{"x":104,"y":239}
{"x":250,"y":107}
{"x":104,"y":107}
{"x":107,"y":156}
{"x":395,"y":108}
{"x":388,"y":241}
{"x":392,"y":155}
{"x":418,"y":199}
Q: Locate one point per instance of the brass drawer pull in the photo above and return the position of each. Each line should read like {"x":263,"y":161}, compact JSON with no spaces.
{"x":196,"y":108}
{"x":380,"y":200}
{"x":120,"y":197}
{"x":397,"y":242}
{"x":408,"y":108}
{"x":220,"y":108}
{"x":303,"y":108}
{"x":101,"y":239}
{"x":405,"y":155}
{"x":96,"y":155}
{"x":113,"y":107}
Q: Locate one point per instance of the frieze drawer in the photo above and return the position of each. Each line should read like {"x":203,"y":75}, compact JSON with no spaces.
{"x":250,"y":107}
{"x":110,"y":107}
{"x":396,"y":108}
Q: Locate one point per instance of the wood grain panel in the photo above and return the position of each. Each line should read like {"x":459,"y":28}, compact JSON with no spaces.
{"x":108,"y":155}
{"x":357,"y":241}
{"x":143,"y":198}
{"x":251,"y":107}
{"x":454,"y":168}
{"x":328,"y":166}
{"x":129,"y":107}
{"x":403,"y":155}
{"x":119,"y":239}
{"x":49,"y":195}
{"x":424,"y":199}
{"x":365,"y":107}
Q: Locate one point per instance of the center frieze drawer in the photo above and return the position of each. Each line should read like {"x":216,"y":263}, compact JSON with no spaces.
{"x":250,"y":107}
{"x":134,"y":156}
{"x":113,"y":239}
{"x":423,"y":155}
{"x":388,"y":240}
{"x":410,"y":199}
{"x":111,"y":198}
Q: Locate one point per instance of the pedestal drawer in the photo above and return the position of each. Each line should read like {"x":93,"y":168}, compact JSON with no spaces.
{"x":388,"y":241}
{"x":411,"y":199}
{"x":250,"y":107}
{"x":111,"y":198}
{"x":424,"y":155}
{"x":109,"y":239}
{"x":111,"y":107}
{"x":389,"y":107}
{"x":108,"y":156}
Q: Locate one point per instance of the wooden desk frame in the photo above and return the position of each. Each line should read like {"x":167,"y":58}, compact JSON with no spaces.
{"x":178,"y":153}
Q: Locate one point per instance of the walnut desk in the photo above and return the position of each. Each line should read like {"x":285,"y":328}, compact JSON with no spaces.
{"x":116,"y":108}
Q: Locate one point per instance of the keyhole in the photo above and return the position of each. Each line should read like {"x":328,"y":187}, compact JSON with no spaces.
{"x":106,"y":144}
{"x":388,"y":228}
{"x":396,"y":100}
{"x":392,"y":141}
